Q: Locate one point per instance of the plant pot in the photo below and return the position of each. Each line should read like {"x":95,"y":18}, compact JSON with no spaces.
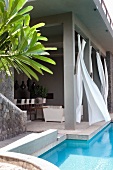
{"x":44,"y":100}
{"x":41,"y":100}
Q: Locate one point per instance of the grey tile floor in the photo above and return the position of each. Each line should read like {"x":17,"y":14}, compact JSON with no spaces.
{"x":38,"y":126}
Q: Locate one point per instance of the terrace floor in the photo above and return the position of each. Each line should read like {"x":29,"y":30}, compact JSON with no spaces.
{"x":83,"y":130}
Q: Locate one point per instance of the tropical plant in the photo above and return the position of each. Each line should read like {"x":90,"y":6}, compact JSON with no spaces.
{"x":38,"y":91}
{"x":20,"y":44}
{"x":44,"y":92}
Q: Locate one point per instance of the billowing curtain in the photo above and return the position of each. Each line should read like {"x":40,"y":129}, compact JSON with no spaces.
{"x":97,"y":107}
{"x":90,"y":63}
{"x":106,"y":81}
{"x":101,"y":74}
{"x":79,"y":86}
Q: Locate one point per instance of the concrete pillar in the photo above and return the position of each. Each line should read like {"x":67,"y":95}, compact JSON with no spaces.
{"x":7,"y":85}
{"x":69,"y":78}
{"x":86,"y":60}
{"x":109,"y":62}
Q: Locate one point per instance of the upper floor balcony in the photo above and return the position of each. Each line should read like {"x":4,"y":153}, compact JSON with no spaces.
{"x":102,"y":2}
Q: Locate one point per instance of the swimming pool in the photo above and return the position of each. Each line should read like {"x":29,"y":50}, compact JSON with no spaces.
{"x":95,"y":154}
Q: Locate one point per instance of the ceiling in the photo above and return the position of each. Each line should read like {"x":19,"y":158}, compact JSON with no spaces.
{"x":86,"y":12}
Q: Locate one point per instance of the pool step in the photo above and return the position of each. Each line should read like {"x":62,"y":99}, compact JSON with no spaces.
{"x":61,"y":137}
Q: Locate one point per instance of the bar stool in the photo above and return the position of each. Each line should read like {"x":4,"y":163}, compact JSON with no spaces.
{"x":22,"y":103}
{"x":27,"y":104}
{"x":32,"y":107}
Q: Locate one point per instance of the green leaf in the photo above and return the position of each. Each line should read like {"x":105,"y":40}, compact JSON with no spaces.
{"x":24,"y":59}
{"x":42,"y":38}
{"x":23,"y":69}
{"x":24,"y":44}
{"x":38,"y":52}
{"x":38,"y":25}
{"x":1,"y":65}
{"x":20,"y":38}
{"x":46,"y":59}
{"x":33,"y":40}
{"x":42,"y":67}
{"x":16,"y":19}
{"x":30,"y":62}
{"x":31,"y":72}
{"x":10,"y":5}
{"x":26,"y":19}
{"x":6,"y":67}
{"x":3,"y":37}
{"x":2,"y":6}
{"x":36,"y":48}
{"x":19,"y":43}
{"x":11,"y":62}
{"x":17,"y":5}
{"x":50,"y":48}
{"x":25,"y":10}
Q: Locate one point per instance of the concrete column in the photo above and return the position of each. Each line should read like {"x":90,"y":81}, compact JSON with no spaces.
{"x":69,"y":65}
{"x":109,"y":62}
{"x":86,"y":60}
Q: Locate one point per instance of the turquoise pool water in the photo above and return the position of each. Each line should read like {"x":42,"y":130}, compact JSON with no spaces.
{"x":95,"y":154}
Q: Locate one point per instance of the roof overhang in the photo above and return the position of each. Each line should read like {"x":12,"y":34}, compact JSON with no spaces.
{"x":88,"y":12}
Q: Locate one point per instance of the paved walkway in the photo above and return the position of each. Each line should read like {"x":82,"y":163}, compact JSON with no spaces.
{"x":8,"y":141}
{"x":38,"y":126}
{"x":83,"y":130}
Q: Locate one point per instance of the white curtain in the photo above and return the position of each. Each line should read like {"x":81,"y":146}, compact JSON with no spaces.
{"x":101,"y":74}
{"x":97,"y":108}
{"x":79,"y":86}
{"x":90,"y":62}
{"x":106,"y":81}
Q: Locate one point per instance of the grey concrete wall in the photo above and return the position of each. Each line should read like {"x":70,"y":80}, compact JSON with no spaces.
{"x":55,"y":82}
{"x":12,"y":119}
{"x":109,"y":62}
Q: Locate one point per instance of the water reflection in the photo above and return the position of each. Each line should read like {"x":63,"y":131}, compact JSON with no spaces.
{"x":100,"y":146}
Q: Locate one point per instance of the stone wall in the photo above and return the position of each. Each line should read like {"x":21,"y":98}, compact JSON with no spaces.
{"x":109,"y":61}
{"x":7,"y":85}
{"x":12,"y":119}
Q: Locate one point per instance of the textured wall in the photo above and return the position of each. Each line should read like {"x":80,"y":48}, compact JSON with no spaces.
{"x":7,"y":86}
{"x":12,"y":119}
{"x":109,"y":61}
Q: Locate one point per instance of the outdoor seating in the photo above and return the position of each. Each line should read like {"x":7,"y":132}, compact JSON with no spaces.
{"x":31,"y":105}
{"x":49,"y":113}
{"x":53,"y":113}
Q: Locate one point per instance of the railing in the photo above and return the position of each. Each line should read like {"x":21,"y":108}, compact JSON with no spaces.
{"x":106,"y":12}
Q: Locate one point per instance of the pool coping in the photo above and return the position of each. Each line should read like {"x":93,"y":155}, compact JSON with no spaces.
{"x":72,"y":135}
{"x":26,"y":161}
{"x":50,"y":138}
{"x":47,"y":140}
{"x":85,"y":134}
